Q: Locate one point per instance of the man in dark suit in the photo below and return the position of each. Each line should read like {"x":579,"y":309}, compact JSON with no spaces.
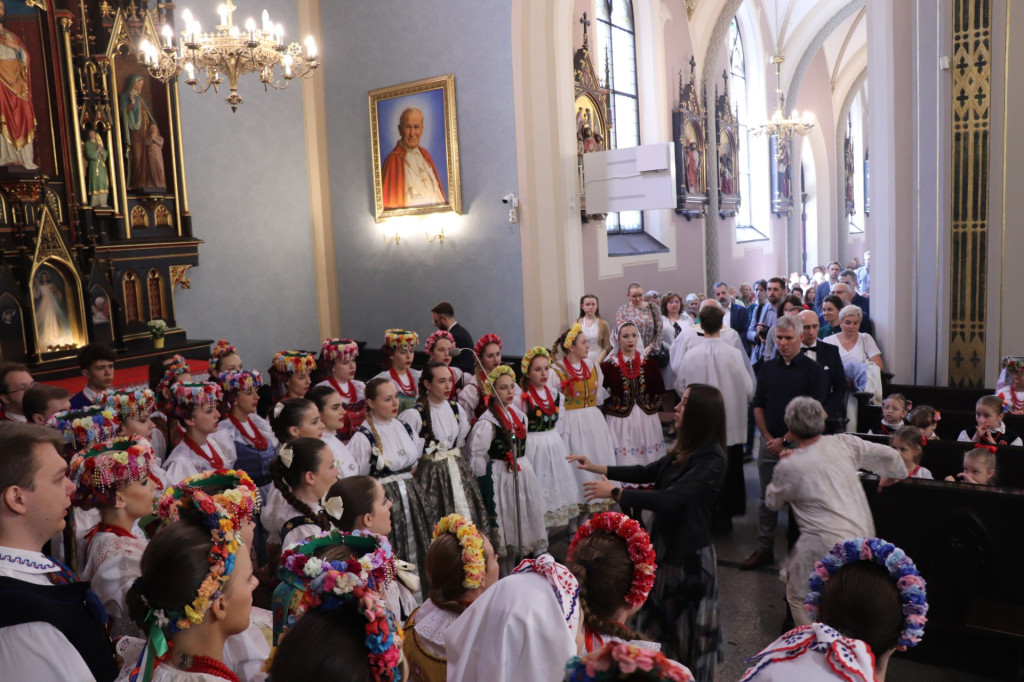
{"x":825,"y":288}
{"x":736,"y":315}
{"x":826,"y":355}
{"x":444,"y":319}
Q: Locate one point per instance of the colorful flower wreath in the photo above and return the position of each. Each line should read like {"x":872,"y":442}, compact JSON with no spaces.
{"x":901,"y":569}
{"x":231,"y":490}
{"x":174,"y":369}
{"x":486,"y":340}
{"x":531,"y":354}
{"x":188,"y":395}
{"x":473,"y":564}
{"x":221,"y":350}
{"x":1013,"y":363}
{"x":309,"y":582}
{"x":638,"y":546}
{"x":338,"y":350}
{"x":433,"y":338}
{"x":231,"y":383}
{"x":128,"y":403}
{"x":570,"y":336}
{"x":400,"y":338}
{"x":497,"y":373}
{"x":82,"y":428}
{"x":292,"y":361}
{"x":100,"y":471}
{"x":616,"y":660}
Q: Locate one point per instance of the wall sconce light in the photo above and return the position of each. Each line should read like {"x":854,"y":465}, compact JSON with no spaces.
{"x":390,"y":237}
{"x":437,"y":236}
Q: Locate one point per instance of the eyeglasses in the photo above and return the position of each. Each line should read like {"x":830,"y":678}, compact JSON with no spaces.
{"x":20,"y":388}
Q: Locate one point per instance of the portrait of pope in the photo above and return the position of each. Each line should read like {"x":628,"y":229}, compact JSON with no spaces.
{"x":409,"y":176}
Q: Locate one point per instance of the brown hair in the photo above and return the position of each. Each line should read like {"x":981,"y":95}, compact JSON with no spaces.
{"x":302,"y":656}
{"x":668,"y":297}
{"x":987,"y":459}
{"x":703,"y":422}
{"x":306,"y":453}
{"x":39,"y":396}
{"x":428,"y":375}
{"x":862,"y":601}
{"x":711,"y":317}
{"x":445,"y":573}
{"x":444,"y":308}
{"x":373,"y":387}
{"x":912,"y":436}
{"x":5,"y":369}
{"x":922,"y":416}
{"x":604,"y":570}
{"x":290,"y":415}
{"x":18,"y":465}
{"x":597,"y":311}
{"x":357,"y":494}
{"x":992,"y":402}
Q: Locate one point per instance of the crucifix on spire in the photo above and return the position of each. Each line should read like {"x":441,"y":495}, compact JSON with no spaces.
{"x":586,"y":22}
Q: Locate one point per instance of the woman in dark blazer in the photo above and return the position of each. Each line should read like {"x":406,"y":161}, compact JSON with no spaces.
{"x":682,"y":611}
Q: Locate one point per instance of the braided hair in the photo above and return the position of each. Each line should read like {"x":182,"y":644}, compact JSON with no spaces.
{"x":604,"y":570}
{"x":289,"y":413}
{"x":306,"y":454}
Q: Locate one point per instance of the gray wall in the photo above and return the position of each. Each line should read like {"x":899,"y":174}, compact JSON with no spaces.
{"x":248,"y":189}
{"x":479,"y":267}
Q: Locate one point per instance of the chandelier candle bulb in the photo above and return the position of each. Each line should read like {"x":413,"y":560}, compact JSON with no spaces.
{"x":190,"y":70}
{"x":287,"y":62}
{"x":280,"y":35}
{"x":250,"y":26}
{"x":310,"y":48}
{"x":222,"y":10}
{"x":168,"y":36}
{"x":267,"y":26}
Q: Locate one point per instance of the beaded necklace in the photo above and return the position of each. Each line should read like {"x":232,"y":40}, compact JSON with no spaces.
{"x":258,"y":440}
{"x":630,"y":368}
{"x":213,"y":459}
{"x":208,"y":666}
{"x":411,"y":390}
{"x":547,"y":405}
{"x":347,"y":397}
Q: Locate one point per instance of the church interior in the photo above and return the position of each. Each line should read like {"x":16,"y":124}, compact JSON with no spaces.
{"x":728,"y":141}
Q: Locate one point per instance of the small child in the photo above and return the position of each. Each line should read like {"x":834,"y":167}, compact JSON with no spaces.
{"x":926,"y":419}
{"x":894,"y":411}
{"x":979,"y":467}
{"x":1012,"y":393}
{"x":990,"y":430}
{"x":909,"y":441}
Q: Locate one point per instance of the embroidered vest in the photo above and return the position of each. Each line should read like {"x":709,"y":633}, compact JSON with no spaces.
{"x":578,"y":394}
{"x":536,"y":420}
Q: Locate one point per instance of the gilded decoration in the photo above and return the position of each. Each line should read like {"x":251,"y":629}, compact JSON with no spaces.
{"x":688,"y":125}
{"x":591,"y":109}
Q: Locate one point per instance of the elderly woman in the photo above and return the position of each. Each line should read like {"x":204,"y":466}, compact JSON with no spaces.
{"x":854,"y":345}
{"x":646,"y":315}
{"x":818,"y":479}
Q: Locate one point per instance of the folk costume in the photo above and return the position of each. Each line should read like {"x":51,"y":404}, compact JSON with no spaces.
{"x":352,"y":392}
{"x":473,"y":396}
{"x":997,"y":436}
{"x":254,"y":441}
{"x":190,"y":458}
{"x":407,"y":382}
{"x":284,"y":365}
{"x":167,"y":434}
{"x":456,"y":373}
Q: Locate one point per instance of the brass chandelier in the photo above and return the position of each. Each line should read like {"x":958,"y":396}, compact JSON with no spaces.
{"x":779,"y":124}
{"x":206,"y":58}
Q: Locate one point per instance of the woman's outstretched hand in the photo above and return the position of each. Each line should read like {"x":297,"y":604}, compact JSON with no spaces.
{"x":582,"y":462}
{"x":597,"y":490}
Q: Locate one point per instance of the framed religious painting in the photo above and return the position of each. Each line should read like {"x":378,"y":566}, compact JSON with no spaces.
{"x":851,"y":203}
{"x":727,"y":127}
{"x":591,"y":102}
{"x":867,"y":181}
{"x":689,"y":131}
{"x":780,"y":156}
{"x":414,"y":141}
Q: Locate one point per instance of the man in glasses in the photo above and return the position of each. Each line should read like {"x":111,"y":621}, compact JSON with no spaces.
{"x":14,"y":381}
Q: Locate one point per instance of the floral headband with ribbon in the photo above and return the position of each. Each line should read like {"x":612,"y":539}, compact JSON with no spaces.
{"x":474,"y":567}
{"x":570,"y":336}
{"x":231,"y":490}
{"x":292,"y":361}
{"x":1013,"y":363}
{"x":85,"y":427}
{"x":128,"y":403}
{"x":486,"y":340}
{"x":244,"y":381}
{"x":338,"y":350}
{"x":100,"y":471}
{"x":638,"y":546}
{"x":618,"y":661}
{"x":188,"y":395}
{"x":174,"y":369}
{"x":221,"y":350}
{"x":400,"y":338}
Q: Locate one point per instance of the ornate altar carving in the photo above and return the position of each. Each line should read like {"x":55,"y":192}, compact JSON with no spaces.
{"x":690,"y":132}
{"x":592,"y":111}
{"x":728,"y":141}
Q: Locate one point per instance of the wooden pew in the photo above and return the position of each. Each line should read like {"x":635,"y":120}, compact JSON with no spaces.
{"x":941,"y":397}
{"x":966,"y":543}
{"x":945,"y":458}
{"x":952,"y":421}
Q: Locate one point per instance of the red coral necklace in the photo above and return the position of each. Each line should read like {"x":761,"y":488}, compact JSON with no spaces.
{"x":411,"y":390}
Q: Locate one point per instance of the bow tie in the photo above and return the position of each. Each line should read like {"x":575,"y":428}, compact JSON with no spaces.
{"x":813,"y":348}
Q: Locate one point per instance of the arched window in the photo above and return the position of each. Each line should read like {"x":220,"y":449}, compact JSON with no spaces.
{"x":745,"y":230}
{"x":616,"y":42}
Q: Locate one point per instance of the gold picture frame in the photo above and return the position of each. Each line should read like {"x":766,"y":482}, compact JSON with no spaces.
{"x":393,"y":109}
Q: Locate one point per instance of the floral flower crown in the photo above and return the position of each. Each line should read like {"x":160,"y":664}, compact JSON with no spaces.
{"x":338,"y":350}
{"x":473,"y":564}
{"x":433,"y":338}
{"x":309,"y":582}
{"x":638,"y":546}
{"x":901,"y":569}
{"x":292,"y":361}
{"x":231,"y":490}
{"x":226,"y":542}
{"x":398,"y":338}
{"x":531,"y":354}
{"x":570,"y":336}
{"x":177,"y":366}
{"x":221,"y":350}
{"x":497,"y":373}
{"x":616,"y":660}
{"x":100,"y":471}
{"x":231,"y":383}
{"x":1012,"y":363}
{"x":82,"y":428}
{"x":188,"y":395}
{"x":128,"y":403}
{"x":486,"y":340}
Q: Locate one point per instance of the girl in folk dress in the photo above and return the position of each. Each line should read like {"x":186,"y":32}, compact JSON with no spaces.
{"x":439,"y":346}
{"x":290,"y":374}
{"x":991,"y":429}
{"x":224,"y":358}
{"x":385,"y":448}
{"x":253,"y":439}
{"x":338,"y":356}
{"x":163,"y":374}
{"x":1013,"y":392}
{"x":134,"y":407}
{"x":203,"y":447}
{"x":473,"y":397}
{"x":397,"y":354}
{"x":634,"y":388}
{"x":544,"y":445}
{"x":496,"y":444}
{"x":113,"y":476}
{"x":585,"y":430}
{"x":332,"y":415}
{"x":303,"y":473}
{"x":441,"y":426}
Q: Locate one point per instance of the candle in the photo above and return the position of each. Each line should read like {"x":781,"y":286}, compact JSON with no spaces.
{"x":280,"y":34}
{"x":191,"y":71}
{"x":250,"y":26}
{"x":310,"y":48}
{"x":168,"y":35}
{"x":287,"y":61}
{"x":267,"y":26}
{"x":222,"y":10}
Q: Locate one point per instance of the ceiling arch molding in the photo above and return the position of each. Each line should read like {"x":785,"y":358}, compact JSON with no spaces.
{"x":846,"y":42}
{"x":841,"y":15}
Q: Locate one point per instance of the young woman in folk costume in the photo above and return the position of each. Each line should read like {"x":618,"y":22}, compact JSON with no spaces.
{"x":290,"y":374}
{"x":584,"y":430}
{"x":545,"y":447}
{"x":441,"y":426}
{"x":203,"y":447}
{"x":497,"y":443}
{"x":134,"y":409}
{"x":474,"y":396}
{"x":635,"y":387}
{"x":332,"y":416}
{"x":385,"y":448}
{"x":253,"y":439}
{"x":163,"y":374}
{"x":303,"y":472}
{"x":224,"y":358}
{"x":397,"y":355}
{"x":113,"y":478}
{"x":338,"y":357}
{"x":438,"y":347}
{"x":233,"y":492}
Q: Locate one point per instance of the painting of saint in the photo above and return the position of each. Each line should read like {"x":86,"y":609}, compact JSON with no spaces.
{"x":409,"y":175}
{"x":145,"y":153}
{"x":17,"y":115}
{"x":49,"y":296}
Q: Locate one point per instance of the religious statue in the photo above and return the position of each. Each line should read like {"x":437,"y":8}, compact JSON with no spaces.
{"x":155,"y":156}
{"x":97,"y":180}
{"x":17,"y":116}
{"x":138,"y":123}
